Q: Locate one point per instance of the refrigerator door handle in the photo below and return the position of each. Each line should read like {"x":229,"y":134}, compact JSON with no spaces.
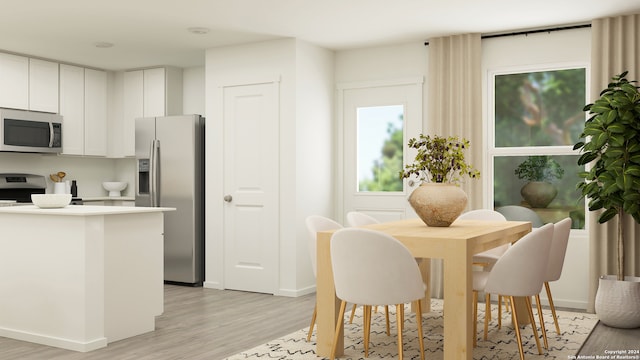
{"x":154,"y":171}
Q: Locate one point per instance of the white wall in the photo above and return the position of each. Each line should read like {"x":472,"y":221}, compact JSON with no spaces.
{"x":312,"y":138}
{"x":193,"y":85}
{"x":89,"y":172}
{"x":517,"y":52}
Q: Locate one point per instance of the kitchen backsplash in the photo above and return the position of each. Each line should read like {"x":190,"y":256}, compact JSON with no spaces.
{"x":89,"y":172}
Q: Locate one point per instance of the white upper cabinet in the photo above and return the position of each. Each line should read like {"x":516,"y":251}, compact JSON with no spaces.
{"x":43,"y":85}
{"x":72,"y":109}
{"x":95,"y":112}
{"x":14,"y":86}
{"x":147,"y":93}
{"x":83,"y":106}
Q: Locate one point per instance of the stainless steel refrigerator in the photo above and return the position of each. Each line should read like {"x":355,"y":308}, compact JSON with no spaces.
{"x":170,"y":173}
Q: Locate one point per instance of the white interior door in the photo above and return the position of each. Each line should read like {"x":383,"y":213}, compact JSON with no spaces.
{"x":251,"y":187}
{"x":377,"y":121}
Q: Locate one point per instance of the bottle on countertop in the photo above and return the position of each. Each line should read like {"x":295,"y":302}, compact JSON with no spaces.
{"x":74,"y":189}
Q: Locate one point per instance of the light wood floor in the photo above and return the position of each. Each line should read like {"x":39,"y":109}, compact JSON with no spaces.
{"x":212,"y":324}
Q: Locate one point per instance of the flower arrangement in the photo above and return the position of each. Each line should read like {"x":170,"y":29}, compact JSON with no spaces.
{"x":539,"y":168}
{"x":439,"y":159}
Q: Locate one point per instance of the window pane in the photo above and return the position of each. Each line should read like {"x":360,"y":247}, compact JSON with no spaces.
{"x":380,"y":144}
{"x":539,"y":108}
{"x":507,"y":187}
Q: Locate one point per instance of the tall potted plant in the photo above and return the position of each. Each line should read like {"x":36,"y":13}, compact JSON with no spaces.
{"x":440,"y":166}
{"x":612,"y":146}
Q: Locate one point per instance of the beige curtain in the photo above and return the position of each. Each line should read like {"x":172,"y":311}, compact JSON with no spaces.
{"x":454,"y":108}
{"x":615,"y":47}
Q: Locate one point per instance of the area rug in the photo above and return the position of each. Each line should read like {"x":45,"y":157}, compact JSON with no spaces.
{"x":501,"y":343}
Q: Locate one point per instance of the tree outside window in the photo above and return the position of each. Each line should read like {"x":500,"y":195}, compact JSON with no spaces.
{"x":538,"y":116}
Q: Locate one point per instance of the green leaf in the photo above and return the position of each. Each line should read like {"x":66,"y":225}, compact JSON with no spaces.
{"x":587,"y":158}
{"x":593,"y":130}
{"x":632,"y":170}
{"x":578,"y":145}
{"x":631,"y":207}
{"x":607,"y":215}
{"x":616,"y":128}
{"x":609,"y":117}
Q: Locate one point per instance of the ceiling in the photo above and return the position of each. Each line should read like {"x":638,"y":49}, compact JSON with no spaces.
{"x":154,"y":32}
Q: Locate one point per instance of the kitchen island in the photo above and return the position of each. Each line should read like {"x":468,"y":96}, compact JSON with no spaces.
{"x":80,"y":277}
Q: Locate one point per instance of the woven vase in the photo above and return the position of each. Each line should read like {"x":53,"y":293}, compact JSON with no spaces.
{"x":438,"y":204}
{"x":618,"y":302}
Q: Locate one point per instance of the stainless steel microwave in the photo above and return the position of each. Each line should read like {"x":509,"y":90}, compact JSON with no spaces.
{"x":30,"y":131}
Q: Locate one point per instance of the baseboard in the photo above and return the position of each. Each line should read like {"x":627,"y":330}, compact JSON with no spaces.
{"x":297,"y":292}
{"x":212,"y":285}
{"x":67,"y":344}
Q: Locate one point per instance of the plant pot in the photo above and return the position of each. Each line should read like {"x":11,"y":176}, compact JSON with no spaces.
{"x":618,"y":302}
{"x":538,"y":194}
{"x":438,"y":204}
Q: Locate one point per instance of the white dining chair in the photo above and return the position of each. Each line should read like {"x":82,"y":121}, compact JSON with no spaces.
{"x":561,"y":231}
{"x":520,"y":272}
{"x":355,"y":219}
{"x":357,"y":256}
{"x":490,"y":256}
{"x":520,"y":213}
{"x":486,"y":259}
{"x":314,"y":224}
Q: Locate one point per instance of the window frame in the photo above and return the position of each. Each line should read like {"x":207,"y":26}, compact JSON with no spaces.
{"x":492,"y":151}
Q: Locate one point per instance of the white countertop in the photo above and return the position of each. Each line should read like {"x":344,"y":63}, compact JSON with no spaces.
{"x":81,"y":210}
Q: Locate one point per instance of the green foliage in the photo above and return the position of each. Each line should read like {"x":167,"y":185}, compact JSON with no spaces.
{"x":439,"y":159}
{"x":385,"y":169}
{"x":539,"y":108}
{"x":539,"y":168}
{"x":612,"y":139}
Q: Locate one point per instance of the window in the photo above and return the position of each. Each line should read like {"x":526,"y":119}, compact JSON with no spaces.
{"x":380,"y":143}
{"x":537,"y":118}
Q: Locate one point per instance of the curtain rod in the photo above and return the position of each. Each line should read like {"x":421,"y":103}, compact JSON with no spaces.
{"x":527,"y":32}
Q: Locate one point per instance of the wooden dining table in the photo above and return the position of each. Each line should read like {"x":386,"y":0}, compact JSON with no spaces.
{"x":455,"y":244}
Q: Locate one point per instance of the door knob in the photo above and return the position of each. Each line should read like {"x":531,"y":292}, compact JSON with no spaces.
{"x":228,"y":198}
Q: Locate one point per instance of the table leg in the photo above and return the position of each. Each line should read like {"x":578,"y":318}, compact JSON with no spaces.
{"x":328,"y":303}
{"x":458,"y":305}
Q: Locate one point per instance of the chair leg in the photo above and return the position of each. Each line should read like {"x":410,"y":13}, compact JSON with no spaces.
{"x":367,"y":328}
{"x":475,"y":317}
{"x":353,"y":312}
{"x":542,"y":327}
{"x":487,"y":314}
{"x":419,"y":321}
{"x":386,"y":315}
{"x":553,"y":308}
{"x":516,"y":327}
{"x":400,"y":321}
{"x":533,"y":323}
{"x":313,"y":322}
{"x":343,"y":305}
{"x":499,"y":312}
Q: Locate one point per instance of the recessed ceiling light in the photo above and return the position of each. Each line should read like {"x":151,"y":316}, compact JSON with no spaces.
{"x":198,"y":30}
{"x":103,"y":44}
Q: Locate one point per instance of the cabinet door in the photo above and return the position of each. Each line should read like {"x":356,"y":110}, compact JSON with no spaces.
{"x":43,"y":85}
{"x":14,"y":87}
{"x":154,"y":92}
{"x":72,"y":109}
{"x":95,"y":112}
{"x":133,"y":108}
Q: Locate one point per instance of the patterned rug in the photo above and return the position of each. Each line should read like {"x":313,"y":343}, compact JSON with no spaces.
{"x":500,"y":345}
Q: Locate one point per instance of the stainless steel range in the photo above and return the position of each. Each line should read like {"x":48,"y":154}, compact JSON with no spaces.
{"x":19,"y":187}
